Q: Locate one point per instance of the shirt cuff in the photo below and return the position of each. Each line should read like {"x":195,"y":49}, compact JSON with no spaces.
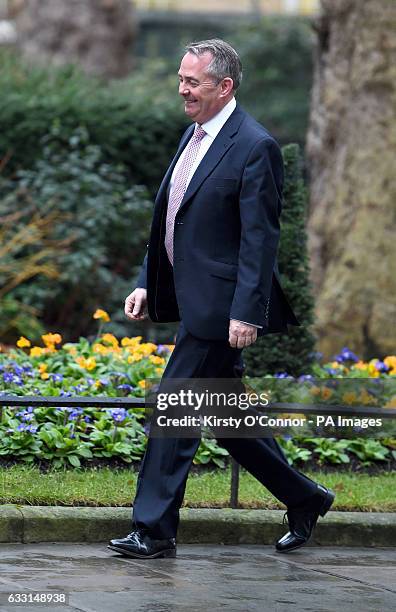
{"x":252,"y":324}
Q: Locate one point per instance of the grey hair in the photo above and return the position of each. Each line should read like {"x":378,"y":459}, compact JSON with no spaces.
{"x":225,"y":62}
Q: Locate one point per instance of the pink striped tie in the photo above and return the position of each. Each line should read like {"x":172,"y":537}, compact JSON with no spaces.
{"x":180,"y":186}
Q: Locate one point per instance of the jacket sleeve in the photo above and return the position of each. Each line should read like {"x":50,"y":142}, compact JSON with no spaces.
{"x":260,"y":206}
{"x":142,"y":278}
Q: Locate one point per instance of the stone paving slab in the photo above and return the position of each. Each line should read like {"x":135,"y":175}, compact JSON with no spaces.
{"x":198,"y":526}
{"x":11,"y":524}
{"x":217,"y":578}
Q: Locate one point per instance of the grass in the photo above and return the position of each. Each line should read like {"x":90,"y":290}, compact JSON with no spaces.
{"x":106,"y":487}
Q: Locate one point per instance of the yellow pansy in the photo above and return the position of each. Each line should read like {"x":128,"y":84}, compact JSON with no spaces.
{"x":43,"y":371}
{"x":349,"y":397}
{"x":360,"y":365}
{"x":390,"y":361}
{"x":101,"y":349}
{"x":71,"y":349}
{"x":90,"y":363}
{"x":147,"y":348}
{"x":158,"y":370}
{"x":110,"y":339}
{"x":87,"y":364}
{"x":326,"y":393}
{"x":372,"y":369}
{"x":131,"y":341}
{"x":135,"y":357}
{"x":134,"y":350}
{"x":142,"y":384}
{"x":156,"y":360}
{"x":102,"y":315}
{"x":391,"y":403}
{"x":23,"y":342}
{"x":36,"y":351}
{"x":367,"y":398}
{"x":51,"y":339}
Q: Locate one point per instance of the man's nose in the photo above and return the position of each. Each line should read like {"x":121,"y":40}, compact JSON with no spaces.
{"x":183,"y":89}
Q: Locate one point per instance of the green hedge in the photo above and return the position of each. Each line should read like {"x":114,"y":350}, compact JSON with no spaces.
{"x":139,"y":120}
{"x":132,"y":122}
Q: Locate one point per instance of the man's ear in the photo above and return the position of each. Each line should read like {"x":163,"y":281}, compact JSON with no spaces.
{"x":227,"y":85}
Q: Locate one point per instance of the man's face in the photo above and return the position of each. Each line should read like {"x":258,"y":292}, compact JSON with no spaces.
{"x":203,"y":96}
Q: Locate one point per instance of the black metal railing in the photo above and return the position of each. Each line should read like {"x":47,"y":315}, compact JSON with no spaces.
{"x":141,"y":403}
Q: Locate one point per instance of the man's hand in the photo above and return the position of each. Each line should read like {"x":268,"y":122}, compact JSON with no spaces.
{"x":241,"y":334}
{"x":135,"y":305}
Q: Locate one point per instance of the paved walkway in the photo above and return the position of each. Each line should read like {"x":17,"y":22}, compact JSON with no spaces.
{"x":217,"y":578}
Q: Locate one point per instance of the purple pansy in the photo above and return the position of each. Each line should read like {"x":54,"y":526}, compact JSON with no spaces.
{"x":118,"y":414}
{"x":346,"y":355}
{"x":381,"y":366}
{"x":125,"y":387}
{"x":56,"y":377}
{"x":305,"y":377}
{"x":331,"y":371}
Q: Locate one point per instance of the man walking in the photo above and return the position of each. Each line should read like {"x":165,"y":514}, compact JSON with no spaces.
{"x":211,"y":264}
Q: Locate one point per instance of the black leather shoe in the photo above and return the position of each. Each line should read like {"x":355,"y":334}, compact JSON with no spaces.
{"x":140,"y":546}
{"x":302,"y":520}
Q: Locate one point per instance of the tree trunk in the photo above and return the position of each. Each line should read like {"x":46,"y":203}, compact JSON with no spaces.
{"x":351,"y":146}
{"x":97,"y":34}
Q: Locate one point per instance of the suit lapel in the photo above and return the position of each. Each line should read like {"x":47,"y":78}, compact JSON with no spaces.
{"x":221,"y":144}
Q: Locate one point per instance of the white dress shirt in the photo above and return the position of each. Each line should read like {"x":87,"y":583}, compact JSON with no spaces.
{"x":212,"y":128}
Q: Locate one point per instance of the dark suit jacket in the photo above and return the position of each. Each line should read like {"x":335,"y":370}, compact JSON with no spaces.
{"x":225,"y":238}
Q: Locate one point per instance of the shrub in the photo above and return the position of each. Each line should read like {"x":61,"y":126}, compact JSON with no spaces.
{"x":135,"y":122}
{"x":27,"y":252}
{"x":96,"y":211}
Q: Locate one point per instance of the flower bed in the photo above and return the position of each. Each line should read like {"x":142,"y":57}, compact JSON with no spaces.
{"x":110,"y":367}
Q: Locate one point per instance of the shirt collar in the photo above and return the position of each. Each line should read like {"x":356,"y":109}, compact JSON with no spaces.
{"x":214,"y":125}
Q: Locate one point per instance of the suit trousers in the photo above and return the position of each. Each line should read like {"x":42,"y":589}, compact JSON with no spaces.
{"x":167,"y":461}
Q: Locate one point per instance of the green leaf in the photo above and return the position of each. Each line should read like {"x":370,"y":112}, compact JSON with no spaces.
{"x":74,"y":460}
